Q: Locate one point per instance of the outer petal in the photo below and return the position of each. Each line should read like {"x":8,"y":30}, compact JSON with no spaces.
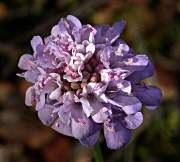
{"x":45,"y":115}
{"x":40,"y":101}
{"x":83,"y":128}
{"x":128,"y":104}
{"x":137,"y":76}
{"x":105,"y":55}
{"x":114,"y":32}
{"x":136,"y":63}
{"x":107,"y":34}
{"x":31,"y":76}
{"x":35,"y":42}
{"x":64,"y":113}
{"x":100,"y":35}
{"x":26,"y":62}
{"x":86,"y":106}
{"x":55,"y":31}
{"x":133,"y":121}
{"x":30,"y":96}
{"x":55,"y":94}
{"x":90,"y":140}
{"x":119,"y":53}
{"x":119,"y":85}
{"x":75,"y":21}
{"x":62,"y":128}
{"x":150,"y":96}
{"x":116,"y":135}
{"x":114,"y":74}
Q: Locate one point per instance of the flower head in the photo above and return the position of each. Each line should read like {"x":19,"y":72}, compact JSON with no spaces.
{"x":85,"y":79}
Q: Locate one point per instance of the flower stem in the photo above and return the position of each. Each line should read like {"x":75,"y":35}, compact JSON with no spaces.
{"x":96,"y":150}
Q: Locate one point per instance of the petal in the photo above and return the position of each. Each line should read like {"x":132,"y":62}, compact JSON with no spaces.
{"x":90,"y":140}
{"x":75,"y":21}
{"x":86,"y":106}
{"x":114,"y":32}
{"x":68,"y":98}
{"x":90,"y":48}
{"x":105,"y":55}
{"x":35,"y":42}
{"x":119,"y":85}
{"x":31,"y":76}
{"x":116,"y":135}
{"x":137,"y":76}
{"x":102,"y":115}
{"x":119,"y":53}
{"x":150,"y":96}
{"x":46,"y":116}
{"x":114,"y":74}
{"x":55,"y":31}
{"x":83,"y":128}
{"x":87,"y":34}
{"x":64,"y":113}
{"x":54,"y":95}
{"x":62,"y":128}
{"x":136,"y":63}
{"x":30,"y":96}
{"x":100,"y":35}
{"x":26,"y":62}
{"x":40,"y":102}
{"x":133,"y":121}
{"x":100,"y":111}
{"x":119,"y":26}
{"x":63,"y":28}
{"x":128,"y":104}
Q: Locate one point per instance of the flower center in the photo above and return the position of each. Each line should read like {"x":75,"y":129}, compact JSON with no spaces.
{"x":90,"y":73}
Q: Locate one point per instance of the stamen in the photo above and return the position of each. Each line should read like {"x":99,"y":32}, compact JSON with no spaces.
{"x":75,"y":86}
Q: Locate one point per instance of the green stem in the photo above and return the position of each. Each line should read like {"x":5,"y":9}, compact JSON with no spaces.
{"x":96,"y":150}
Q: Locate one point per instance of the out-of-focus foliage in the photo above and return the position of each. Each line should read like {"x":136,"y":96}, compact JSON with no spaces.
{"x":153,"y":27}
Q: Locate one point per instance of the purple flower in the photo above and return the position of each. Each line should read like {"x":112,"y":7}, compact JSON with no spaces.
{"x":85,"y":80}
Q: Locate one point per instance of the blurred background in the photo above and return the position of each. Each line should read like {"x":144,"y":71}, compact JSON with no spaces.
{"x":153,"y":27}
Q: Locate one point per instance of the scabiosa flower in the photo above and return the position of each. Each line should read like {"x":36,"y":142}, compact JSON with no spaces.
{"x":85,"y":80}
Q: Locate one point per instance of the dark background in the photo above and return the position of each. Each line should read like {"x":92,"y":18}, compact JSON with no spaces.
{"x":153,"y":27}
